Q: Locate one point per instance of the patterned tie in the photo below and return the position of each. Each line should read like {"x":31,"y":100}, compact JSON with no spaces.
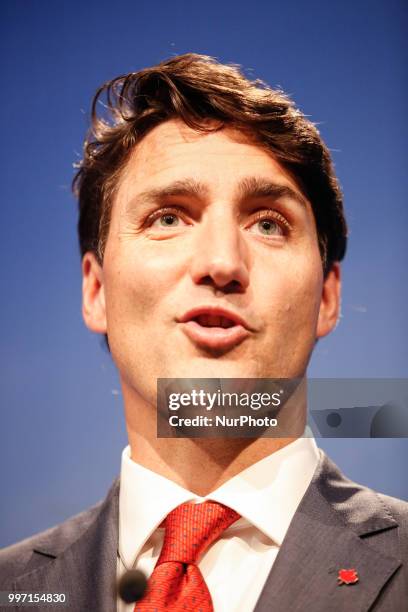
{"x":176,"y":584}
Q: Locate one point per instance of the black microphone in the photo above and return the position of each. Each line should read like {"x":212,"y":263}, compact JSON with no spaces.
{"x":132,"y":586}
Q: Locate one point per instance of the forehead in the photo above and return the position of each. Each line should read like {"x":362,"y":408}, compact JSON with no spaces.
{"x":172,"y":151}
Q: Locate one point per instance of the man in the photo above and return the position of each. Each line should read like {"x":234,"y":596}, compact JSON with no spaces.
{"x":211,"y":228}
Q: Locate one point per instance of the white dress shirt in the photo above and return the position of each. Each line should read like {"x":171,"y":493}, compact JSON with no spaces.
{"x":236,"y":566}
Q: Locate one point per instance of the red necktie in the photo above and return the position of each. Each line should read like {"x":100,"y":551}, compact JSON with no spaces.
{"x":176,"y":584}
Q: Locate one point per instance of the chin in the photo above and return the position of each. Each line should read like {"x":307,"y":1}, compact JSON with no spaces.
{"x":211,"y":367}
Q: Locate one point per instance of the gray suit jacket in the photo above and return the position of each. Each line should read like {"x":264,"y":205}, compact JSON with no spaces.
{"x":339,"y":524}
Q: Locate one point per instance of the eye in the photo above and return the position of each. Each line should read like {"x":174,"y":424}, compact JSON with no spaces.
{"x":269,"y":223}
{"x":268,"y":227}
{"x":166,"y":218}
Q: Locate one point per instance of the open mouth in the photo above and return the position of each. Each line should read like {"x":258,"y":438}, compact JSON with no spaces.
{"x":212,"y":328}
{"x":207,"y":320}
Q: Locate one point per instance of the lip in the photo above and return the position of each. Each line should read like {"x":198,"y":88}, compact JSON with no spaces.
{"x":214,"y":337}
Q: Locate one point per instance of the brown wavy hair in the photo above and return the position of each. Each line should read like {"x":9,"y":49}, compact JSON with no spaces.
{"x":195,"y":88}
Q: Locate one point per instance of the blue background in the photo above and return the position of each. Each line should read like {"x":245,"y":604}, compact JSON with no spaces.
{"x":62,"y":425}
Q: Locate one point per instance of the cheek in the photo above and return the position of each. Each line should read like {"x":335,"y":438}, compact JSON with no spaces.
{"x":137,"y":282}
{"x":293,"y":294}
{"x":303,"y":303}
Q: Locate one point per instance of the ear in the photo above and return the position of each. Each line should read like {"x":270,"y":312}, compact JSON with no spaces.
{"x":93,"y":294}
{"x":329,"y":311}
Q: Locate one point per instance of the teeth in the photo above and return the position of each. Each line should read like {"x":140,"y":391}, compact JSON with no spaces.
{"x":214,"y":321}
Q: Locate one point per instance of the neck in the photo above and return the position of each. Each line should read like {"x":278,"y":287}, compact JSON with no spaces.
{"x":200,"y":465}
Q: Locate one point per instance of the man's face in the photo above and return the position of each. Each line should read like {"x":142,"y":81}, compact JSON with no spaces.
{"x":204,"y":222}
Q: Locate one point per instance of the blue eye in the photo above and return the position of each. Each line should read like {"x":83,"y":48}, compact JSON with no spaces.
{"x":169,"y":220}
{"x":269,"y":227}
{"x":166,"y":219}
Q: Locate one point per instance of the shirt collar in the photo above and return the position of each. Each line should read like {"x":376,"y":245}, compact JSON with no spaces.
{"x":266,"y":494}
{"x":145,"y":499}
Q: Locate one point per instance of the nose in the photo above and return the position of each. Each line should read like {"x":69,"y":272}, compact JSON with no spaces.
{"x":220,"y":256}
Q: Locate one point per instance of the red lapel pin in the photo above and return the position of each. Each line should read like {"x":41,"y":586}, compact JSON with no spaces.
{"x":347,"y":576}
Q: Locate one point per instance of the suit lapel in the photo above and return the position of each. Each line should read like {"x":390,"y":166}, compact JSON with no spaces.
{"x":331,"y":531}
{"x":336,"y":526}
{"x":86,"y":569}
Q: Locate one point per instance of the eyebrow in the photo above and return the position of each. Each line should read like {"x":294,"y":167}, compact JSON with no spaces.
{"x":248,"y":187}
{"x":254,"y":187}
{"x":183,"y":187}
